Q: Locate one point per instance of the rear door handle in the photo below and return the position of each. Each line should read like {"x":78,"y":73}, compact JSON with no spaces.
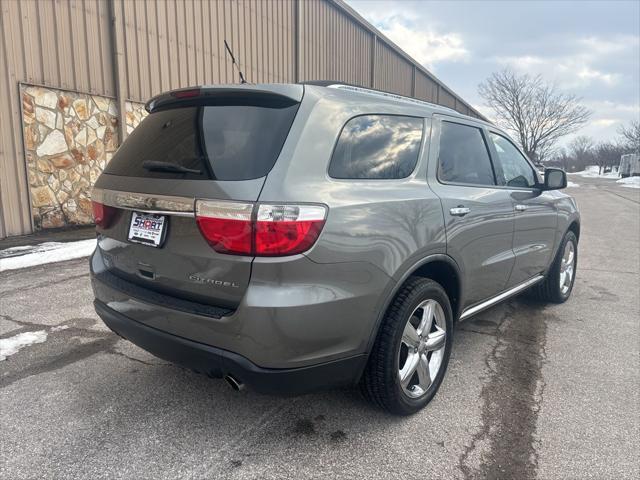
{"x":520,"y":208}
{"x":459,"y":211}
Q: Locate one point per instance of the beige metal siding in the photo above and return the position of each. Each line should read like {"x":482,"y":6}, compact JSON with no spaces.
{"x":426,"y":88}
{"x":393,"y":73}
{"x":447,"y":99}
{"x":332,"y":46}
{"x":169,"y":45}
{"x":461,"y":107}
{"x":160,"y":45}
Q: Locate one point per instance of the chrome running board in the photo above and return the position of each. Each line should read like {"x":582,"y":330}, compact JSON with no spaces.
{"x":498,"y":298}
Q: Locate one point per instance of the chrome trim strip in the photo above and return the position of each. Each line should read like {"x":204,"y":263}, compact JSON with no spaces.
{"x":498,"y":298}
{"x":144,"y":202}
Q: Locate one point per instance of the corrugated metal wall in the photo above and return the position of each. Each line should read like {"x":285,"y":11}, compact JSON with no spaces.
{"x":332,"y":45}
{"x":157,"y":45}
{"x":393,"y":73}
{"x":60,"y":43}
{"x":426,"y":88}
{"x":169,"y":45}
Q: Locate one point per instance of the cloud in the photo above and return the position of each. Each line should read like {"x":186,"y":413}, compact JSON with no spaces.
{"x":485,"y":110}
{"x":608,"y":109}
{"x":605,"y":122}
{"x":569,"y":72}
{"x":592,"y":51}
{"x":607,"y":46}
{"x":607,"y":118}
{"x":427,"y":46}
{"x":586,"y":73}
{"x":576,"y":66}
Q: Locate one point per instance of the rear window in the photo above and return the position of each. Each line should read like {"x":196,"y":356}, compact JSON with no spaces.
{"x":377,"y":147}
{"x":210,"y":142}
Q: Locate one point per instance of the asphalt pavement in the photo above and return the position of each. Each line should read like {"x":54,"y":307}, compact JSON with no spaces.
{"x":532,"y":391}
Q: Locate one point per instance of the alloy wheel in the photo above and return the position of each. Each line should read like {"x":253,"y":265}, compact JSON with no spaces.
{"x":567,"y":267}
{"x":422,"y":348}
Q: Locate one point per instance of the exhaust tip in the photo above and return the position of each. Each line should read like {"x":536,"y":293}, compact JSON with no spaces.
{"x":234,"y":383}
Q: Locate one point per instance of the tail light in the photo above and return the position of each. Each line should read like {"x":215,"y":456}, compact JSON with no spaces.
{"x":273,"y":230}
{"x":226,"y":226}
{"x":102,"y":214}
{"x":287,"y":229}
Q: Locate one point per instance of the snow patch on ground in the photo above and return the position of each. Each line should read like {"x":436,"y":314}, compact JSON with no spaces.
{"x":572,"y":185}
{"x":630,"y":182}
{"x":49,"y":252}
{"x":12,"y":345}
{"x":594,"y":172}
{"x":58,"y":328}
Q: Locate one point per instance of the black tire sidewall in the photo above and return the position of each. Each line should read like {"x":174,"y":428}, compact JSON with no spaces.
{"x":429,"y":290}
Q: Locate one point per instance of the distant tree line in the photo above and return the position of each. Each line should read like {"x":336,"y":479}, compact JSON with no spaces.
{"x":583,"y":151}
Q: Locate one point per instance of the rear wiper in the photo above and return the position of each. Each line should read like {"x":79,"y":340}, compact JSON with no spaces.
{"x":156,"y":166}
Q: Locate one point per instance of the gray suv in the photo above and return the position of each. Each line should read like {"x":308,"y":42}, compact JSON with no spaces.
{"x":303,"y":236}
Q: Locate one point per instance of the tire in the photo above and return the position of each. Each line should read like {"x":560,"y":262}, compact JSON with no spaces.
{"x":550,"y":290}
{"x":380,"y":381}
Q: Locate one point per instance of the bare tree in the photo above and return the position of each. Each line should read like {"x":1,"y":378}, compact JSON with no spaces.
{"x":631,"y":136}
{"x":562,"y":159}
{"x":581,"y":151}
{"x":537,"y":113}
{"x":607,"y":154}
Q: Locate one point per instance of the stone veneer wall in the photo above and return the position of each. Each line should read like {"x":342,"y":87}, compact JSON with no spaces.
{"x":135,"y":113}
{"x":69,"y":138}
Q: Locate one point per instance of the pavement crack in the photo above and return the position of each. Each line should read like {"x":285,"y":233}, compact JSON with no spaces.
{"x":104,"y":343}
{"x":511,"y":399}
{"x":248,"y":435}
{"x":470,"y":330}
{"x":604,"y":270}
{"x":25,"y":325}
{"x":604,"y":189}
{"x":56,"y":281}
{"x":71,"y":327}
{"x":44,"y":267}
{"x":133,"y":359}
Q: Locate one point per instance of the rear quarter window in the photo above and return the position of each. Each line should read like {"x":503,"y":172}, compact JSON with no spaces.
{"x":215,"y":142}
{"x":378,"y":147}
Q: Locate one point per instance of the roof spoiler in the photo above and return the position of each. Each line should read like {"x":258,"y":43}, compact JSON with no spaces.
{"x":198,"y":94}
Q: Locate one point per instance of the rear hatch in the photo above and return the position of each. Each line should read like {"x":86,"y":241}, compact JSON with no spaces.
{"x":209,"y":143}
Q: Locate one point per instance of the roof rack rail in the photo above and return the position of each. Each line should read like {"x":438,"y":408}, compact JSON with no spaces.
{"x":381,"y":93}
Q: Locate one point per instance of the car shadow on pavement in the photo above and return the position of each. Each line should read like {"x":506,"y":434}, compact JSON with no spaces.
{"x":127,"y":397}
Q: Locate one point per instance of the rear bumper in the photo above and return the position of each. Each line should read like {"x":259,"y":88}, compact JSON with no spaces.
{"x":218,"y":363}
{"x":294,"y":313}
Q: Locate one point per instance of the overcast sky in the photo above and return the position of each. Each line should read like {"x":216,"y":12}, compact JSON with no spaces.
{"x":589,"y":48}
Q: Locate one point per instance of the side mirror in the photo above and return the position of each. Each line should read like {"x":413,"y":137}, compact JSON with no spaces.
{"x":554,"y":179}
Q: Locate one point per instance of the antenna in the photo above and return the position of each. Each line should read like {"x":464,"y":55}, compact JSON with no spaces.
{"x":233,"y":60}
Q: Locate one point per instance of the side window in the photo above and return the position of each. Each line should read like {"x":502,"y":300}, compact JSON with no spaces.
{"x":515,"y":169}
{"x":377,"y":147}
{"x":463,"y":156}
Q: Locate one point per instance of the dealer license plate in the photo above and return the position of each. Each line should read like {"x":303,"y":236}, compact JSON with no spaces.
{"x":147,"y":228}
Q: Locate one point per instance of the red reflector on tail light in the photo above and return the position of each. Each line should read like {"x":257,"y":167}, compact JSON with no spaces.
{"x":278,"y":230}
{"x":226,"y":226}
{"x":287,"y":229}
{"x":102,"y":214}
